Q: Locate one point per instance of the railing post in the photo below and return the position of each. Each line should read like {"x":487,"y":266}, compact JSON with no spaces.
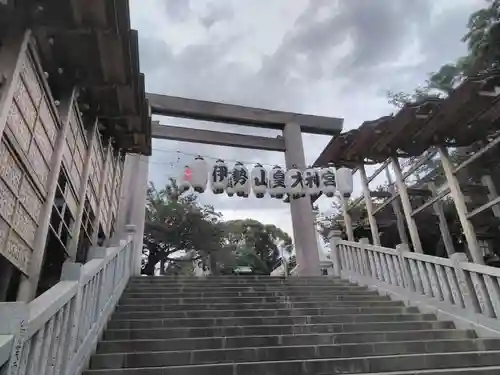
{"x":405,"y":268}
{"x":334,"y":238}
{"x":135,"y":256}
{"x":96,"y":252}
{"x":14,"y":321}
{"x":466,"y":289}
{"x":347,"y":219}
{"x":364,"y":256}
{"x":72,"y":272}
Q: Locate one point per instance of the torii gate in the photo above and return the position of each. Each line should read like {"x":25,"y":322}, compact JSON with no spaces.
{"x":292,"y":125}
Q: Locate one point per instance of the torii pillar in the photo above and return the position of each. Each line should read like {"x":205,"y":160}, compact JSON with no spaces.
{"x":304,"y":232}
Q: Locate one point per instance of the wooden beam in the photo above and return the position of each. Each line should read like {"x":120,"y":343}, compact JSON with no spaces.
{"x":407,"y":209}
{"x":235,"y":114}
{"x":460,"y":205}
{"x":369,"y":207}
{"x":181,"y":134}
{"x":379,"y":169}
{"x":380,"y":194}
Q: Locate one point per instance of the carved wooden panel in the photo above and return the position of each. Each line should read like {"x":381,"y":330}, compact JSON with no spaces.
{"x":16,"y":123}
{"x":48,"y":120}
{"x":24,"y":225}
{"x":32,"y":79}
{"x":43,"y":142}
{"x":38,"y":163}
{"x":30,"y":199}
{"x":10,"y":170}
{"x":17,"y":251}
{"x":25,"y":104}
{"x":7,"y":202}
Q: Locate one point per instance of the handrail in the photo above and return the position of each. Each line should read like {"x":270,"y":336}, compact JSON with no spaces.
{"x":62,"y":326}
{"x":465,"y":292}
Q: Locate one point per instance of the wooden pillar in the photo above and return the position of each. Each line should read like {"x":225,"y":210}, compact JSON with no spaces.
{"x":75,"y":235}
{"x":488,"y":182}
{"x":400,"y":221}
{"x":347,"y":219}
{"x":28,"y":286}
{"x":369,"y":206}
{"x":407,"y":209}
{"x":443,"y":224}
{"x":459,"y":200}
{"x":101,"y":193}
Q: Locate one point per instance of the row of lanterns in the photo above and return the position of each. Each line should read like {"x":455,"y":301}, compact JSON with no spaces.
{"x":277,"y":181}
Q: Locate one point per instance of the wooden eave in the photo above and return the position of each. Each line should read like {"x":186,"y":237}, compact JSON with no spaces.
{"x":90,"y":44}
{"x":333,"y":153}
{"x":407,"y":122}
{"x":455,"y":115}
{"x":361,"y":146}
{"x":467,"y":116}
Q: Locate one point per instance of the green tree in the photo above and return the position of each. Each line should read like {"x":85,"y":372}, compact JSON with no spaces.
{"x":256,"y":244}
{"x":176,"y":223}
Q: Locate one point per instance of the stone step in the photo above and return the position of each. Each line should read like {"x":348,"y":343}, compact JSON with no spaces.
{"x":370,"y":365}
{"x":258,"y":330}
{"x":270,"y":294}
{"x":200,"y":343}
{"x":265,"y":320}
{"x":230,"y":278}
{"x":283,"y":353}
{"x":230,"y":282}
{"x":235,"y":286}
{"x":252,"y":299}
{"x":253,"y":306}
{"x":239,"y":282}
{"x":262,"y":312}
{"x":195,"y":292}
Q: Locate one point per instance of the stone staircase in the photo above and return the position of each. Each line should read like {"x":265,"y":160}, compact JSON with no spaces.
{"x":263,"y":325}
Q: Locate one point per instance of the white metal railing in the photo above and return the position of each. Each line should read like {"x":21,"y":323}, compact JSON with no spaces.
{"x":57,"y":332}
{"x":468,"y":293}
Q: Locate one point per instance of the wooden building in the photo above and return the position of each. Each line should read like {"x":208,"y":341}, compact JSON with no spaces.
{"x":457,"y":138}
{"x":72,"y":107}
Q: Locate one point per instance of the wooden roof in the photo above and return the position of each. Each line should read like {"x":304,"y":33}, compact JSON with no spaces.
{"x":90,"y":43}
{"x":468,"y":115}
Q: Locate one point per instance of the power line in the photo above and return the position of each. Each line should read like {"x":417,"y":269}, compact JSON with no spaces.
{"x":207,"y":157}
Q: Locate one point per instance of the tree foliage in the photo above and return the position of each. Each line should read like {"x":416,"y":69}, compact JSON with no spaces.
{"x":256,"y":244}
{"x":482,"y":53}
{"x":179,"y":230}
{"x":176,"y":223}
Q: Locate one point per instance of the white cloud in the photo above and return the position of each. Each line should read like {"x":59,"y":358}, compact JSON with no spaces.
{"x":332,"y":58}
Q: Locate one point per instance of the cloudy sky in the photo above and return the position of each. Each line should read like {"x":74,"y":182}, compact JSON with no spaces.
{"x":324,"y":57}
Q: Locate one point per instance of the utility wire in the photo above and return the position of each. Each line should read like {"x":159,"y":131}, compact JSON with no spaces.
{"x":205,"y":157}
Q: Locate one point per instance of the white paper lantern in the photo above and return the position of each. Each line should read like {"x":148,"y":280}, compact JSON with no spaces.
{"x":259,"y":180}
{"x":185,"y":180}
{"x":312,"y":181}
{"x":219,"y":176}
{"x":328,"y":181}
{"x":294,"y":181}
{"x":230,"y":185}
{"x":241,"y":180}
{"x":199,"y":170}
{"x":277,"y":184}
{"x":344,"y":181}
